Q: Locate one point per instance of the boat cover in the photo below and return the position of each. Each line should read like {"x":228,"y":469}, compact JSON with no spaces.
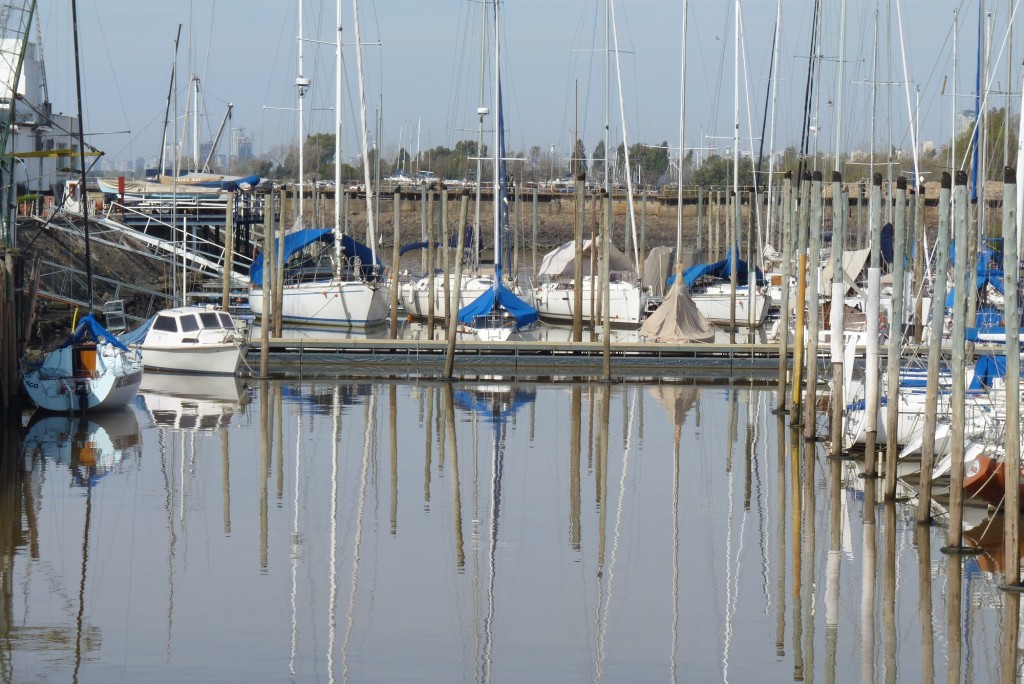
{"x":986,"y":369}
{"x":657,"y":266}
{"x":721,"y":270}
{"x":494,"y":406}
{"x":494,"y":297}
{"x":137,"y":336}
{"x":300,"y":239}
{"x":677,"y":320}
{"x":561,"y":262}
{"x":90,"y":329}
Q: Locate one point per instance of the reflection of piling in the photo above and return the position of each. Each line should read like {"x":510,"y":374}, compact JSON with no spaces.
{"x":264,"y":473}
{"x":780,"y":537}
{"x":895,"y":347}
{"x":924,"y":600}
{"x":832,"y":567}
{"x":924,"y":495}
{"x":575,"y":404}
{"x":889,"y":592}
{"x":449,"y":409}
{"x":867,"y":585}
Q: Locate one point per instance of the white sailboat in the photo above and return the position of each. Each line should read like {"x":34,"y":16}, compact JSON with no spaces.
{"x":344,"y":286}
{"x":498,"y":313}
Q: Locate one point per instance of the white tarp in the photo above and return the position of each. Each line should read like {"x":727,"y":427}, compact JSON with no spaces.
{"x":678,"y":320}
{"x":560,"y":263}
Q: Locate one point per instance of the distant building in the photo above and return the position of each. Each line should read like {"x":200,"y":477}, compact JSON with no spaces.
{"x":44,"y":144}
{"x":964,"y":122}
{"x":241,"y":145}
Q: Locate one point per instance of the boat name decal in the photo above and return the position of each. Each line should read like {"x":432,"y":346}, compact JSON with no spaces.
{"x":129,"y":379}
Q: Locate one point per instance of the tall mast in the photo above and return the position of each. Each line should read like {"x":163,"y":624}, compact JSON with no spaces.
{"x":366,"y":145}
{"x":481,"y":112}
{"x":337,"y":140}
{"x":874,"y":98}
{"x":839,"y":89}
{"x":497,"y":153}
{"x":81,"y":159}
{"x":302,"y":83}
{"x":682,"y":147}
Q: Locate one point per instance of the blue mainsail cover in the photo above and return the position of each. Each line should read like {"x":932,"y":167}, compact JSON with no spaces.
{"x":489,"y":300}
{"x":300,"y":239}
{"x":137,"y":336}
{"x":986,"y":369}
{"x":721,"y":270}
{"x":90,"y":328}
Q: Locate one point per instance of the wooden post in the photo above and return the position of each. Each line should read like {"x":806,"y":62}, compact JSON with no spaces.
{"x":784,"y":310}
{"x":813,"y":307}
{"x":446,"y":284}
{"x":266,"y":320}
{"x":700,"y":224}
{"x":279,"y":273}
{"x":837,"y":314}
{"x":919,"y":264}
{"x":395,"y":262}
{"x":452,"y":304}
{"x":577,"y":278}
{"x":533,"y":243}
{"x":1011,"y":269}
{"x":961,"y":284}
{"x":895,"y":346}
{"x":431,"y":265}
{"x":801,"y":294}
{"x":872,"y":397}
{"x":229,"y":250}
{"x":924,"y":496}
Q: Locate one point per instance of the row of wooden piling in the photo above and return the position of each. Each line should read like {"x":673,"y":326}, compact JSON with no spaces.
{"x":801,"y":226}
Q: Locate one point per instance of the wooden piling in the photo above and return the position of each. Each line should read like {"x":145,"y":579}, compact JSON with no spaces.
{"x":1011,"y":268}
{"x":396,"y":241}
{"x":895,"y":345}
{"x":872,"y":397}
{"x":836,"y":314}
{"x":784,"y":310}
{"x":229,"y":250}
{"x":813,"y":307}
{"x":924,"y":496}
{"x":452,"y":301}
{"x":801,"y":294}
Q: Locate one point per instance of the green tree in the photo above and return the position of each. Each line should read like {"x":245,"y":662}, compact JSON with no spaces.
{"x":717,"y":171}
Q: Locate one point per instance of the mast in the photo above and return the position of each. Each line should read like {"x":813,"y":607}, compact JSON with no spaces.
{"x":497,"y":152}
{"x":337,"y":142}
{"x":167,"y":107}
{"x":481,"y":112}
{"x":302,"y":84}
{"x":682,"y":147}
{"x":81,"y":158}
{"x":362,"y":117}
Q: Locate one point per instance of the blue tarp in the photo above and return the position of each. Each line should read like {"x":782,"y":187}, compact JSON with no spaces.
{"x":90,"y":329}
{"x":300,"y":239}
{"x":721,"y":270}
{"x":138,"y":335}
{"x":496,"y":406}
{"x":993,"y":278}
{"x":986,"y":369}
{"x":491,"y":299}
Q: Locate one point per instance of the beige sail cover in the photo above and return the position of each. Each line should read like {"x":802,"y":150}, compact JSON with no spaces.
{"x":677,"y":320}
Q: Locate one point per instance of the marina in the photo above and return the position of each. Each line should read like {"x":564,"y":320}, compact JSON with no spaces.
{"x":299,"y":399}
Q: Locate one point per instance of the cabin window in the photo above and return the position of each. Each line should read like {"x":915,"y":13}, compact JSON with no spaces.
{"x":209,"y":319}
{"x":225,"y":320}
{"x":165,"y":324}
{"x":189,"y":323}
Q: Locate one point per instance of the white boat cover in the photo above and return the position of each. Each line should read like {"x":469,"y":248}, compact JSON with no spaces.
{"x":854,"y":263}
{"x":678,"y":320}
{"x":560,"y":263}
{"x":657,"y":267}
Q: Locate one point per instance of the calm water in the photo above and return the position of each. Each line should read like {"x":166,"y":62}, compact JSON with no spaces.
{"x":333,"y":532}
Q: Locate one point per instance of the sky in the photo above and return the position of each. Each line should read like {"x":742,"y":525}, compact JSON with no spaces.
{"x":421,"y":66}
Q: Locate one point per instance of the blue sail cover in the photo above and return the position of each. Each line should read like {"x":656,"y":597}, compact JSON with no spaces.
{"x":90,"y":329}
{"x":491,"y":299}
{"x":300,"y":239}
{"x":494,"y":406}
{"x":986,"y":369}
{"x":137,"y":336}
{"x":721,"y":270}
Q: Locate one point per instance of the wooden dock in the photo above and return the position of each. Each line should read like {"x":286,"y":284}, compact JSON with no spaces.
{"x":376,"y":358}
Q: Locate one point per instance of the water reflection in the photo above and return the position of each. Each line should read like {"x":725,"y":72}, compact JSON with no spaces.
{"x":344,"y":531}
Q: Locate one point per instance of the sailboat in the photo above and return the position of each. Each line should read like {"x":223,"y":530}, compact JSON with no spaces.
{"x":344,"y":286}
{"x":91,"y":369}
{"x":498,"y":313}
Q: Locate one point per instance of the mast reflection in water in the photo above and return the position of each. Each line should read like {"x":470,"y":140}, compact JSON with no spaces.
{"x":346,"y":531}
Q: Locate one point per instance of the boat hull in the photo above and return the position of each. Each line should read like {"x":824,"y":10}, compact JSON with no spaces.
{"x":205,"y":359}
{"x":415,"y":295}
{"x":338,"y":303}
{"x":56,"y":385}
{"x":714,"y":303}
{"x":555,"y":302}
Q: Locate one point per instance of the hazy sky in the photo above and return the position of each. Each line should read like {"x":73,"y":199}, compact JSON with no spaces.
{"x":422,"y":69}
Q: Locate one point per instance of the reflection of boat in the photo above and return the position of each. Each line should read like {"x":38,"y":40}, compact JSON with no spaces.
{"x":91,"y":446}
{"x":198,"y":402}
{"x":188,"y":339}
{"x":986,"y":479}
{"x":91,"y":370}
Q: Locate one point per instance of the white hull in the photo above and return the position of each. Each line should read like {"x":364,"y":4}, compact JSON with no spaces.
{"x":714,"y":303}
{"x":334,"y":302}
{"x":60,"y":383}
{"x":415,"y":295}
{"x":554,"y":302}
{"x":211,"y":359}
{"x":189,"y":339}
